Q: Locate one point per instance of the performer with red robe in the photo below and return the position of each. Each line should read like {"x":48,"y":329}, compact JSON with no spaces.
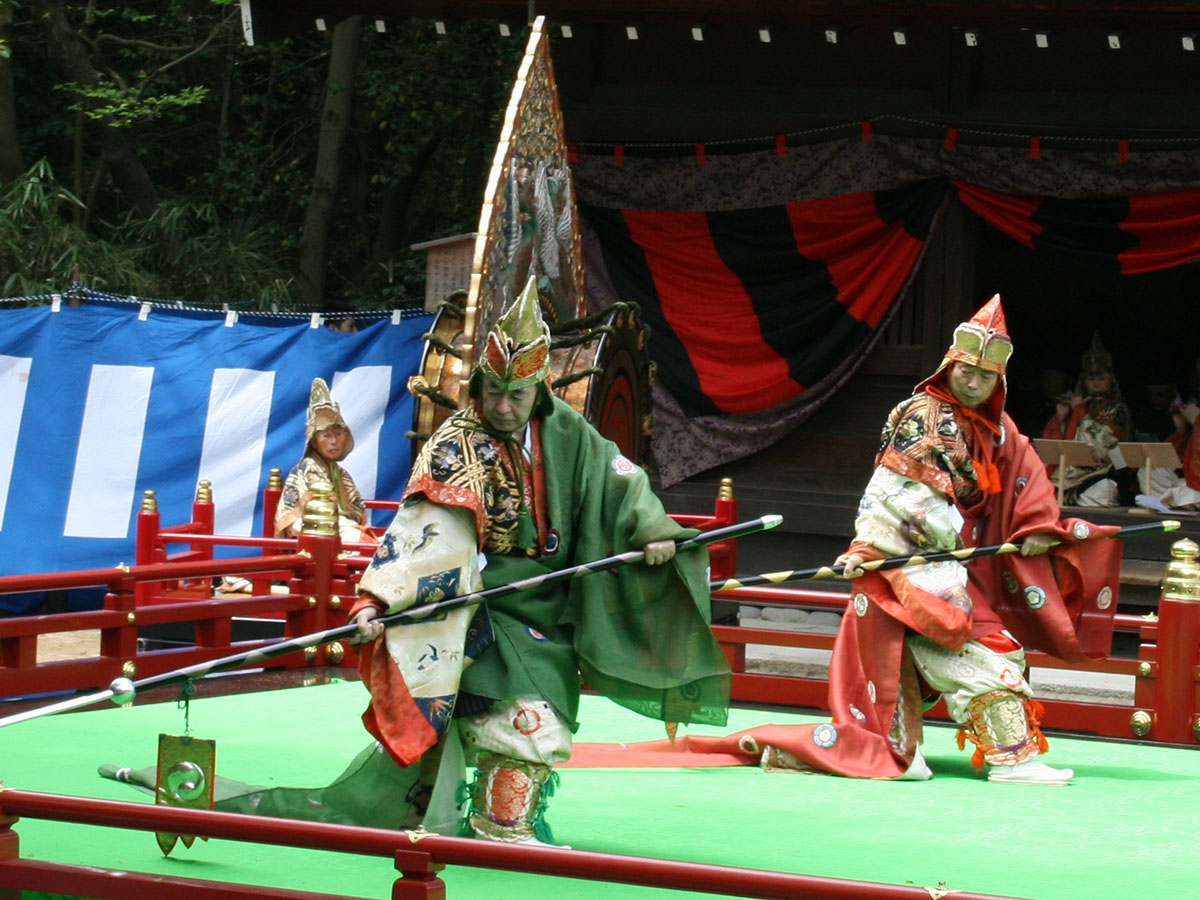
{"x":954,"y":471}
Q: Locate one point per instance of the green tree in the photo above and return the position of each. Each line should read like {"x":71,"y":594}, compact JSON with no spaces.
{"x":200,"y":159}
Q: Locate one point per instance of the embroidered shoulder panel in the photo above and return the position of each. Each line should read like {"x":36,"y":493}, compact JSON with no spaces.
{"x":464,"y":466}
{"x":922,"y":440}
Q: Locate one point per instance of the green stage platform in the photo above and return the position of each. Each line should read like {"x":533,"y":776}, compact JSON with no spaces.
{"x":1128,"y":827}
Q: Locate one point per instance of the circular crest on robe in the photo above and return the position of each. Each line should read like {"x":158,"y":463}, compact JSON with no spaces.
{"x":1020,"y":486}
{"x":1010,"y":582}
{"x":871,"y":690}
{"x":857,"y":713}
{"x":825,"y":736}
{"x":536,"y":635}
{"x":623,"y":466}
{"x":860,"y":604}
{"x":1081,"y":530}
{"x":964,"y":669}
{"x":1009,"y":678}
{"x":1104,"y":598}
{"x":527,"y":720}
{"x":1035,"y":597}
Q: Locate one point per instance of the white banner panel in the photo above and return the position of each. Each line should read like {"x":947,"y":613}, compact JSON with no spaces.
{"x":14,"y":378}
{"x":362,"y":395}
{"x":235,"y":435}
{"x":110,"y":444}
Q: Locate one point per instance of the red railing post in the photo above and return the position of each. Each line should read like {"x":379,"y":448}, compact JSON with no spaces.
{"x":321,"y":542}
{"x":10,"y":847}
{"x":1178,"y":650}
{"x":204,"y":516}
{"x":146,"y":550}
{"x":723,"y":558}
{"x":418,"y":877}
{"x":723,"y":554}
{"x":271,"y":494}
{"x":120,"y":643}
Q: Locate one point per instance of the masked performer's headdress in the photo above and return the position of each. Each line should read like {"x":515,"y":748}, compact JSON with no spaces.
{"x":324,"y":413}
{"x":983,"y":340}
{"x":516,"y":352}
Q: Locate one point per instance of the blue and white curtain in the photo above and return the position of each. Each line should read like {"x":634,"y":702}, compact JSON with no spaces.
{"x":101,"y":402}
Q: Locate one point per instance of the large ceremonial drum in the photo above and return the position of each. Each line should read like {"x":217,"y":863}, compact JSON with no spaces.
{"x":602,"y":371}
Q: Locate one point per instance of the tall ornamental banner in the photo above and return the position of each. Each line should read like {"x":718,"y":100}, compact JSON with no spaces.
{"x":101,"y":402}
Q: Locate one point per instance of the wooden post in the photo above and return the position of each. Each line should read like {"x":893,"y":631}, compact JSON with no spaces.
{"x":319,"y":538}
{"x":10,"y":848}
{"x":1062,"y":477}
{"x":1178,"y":649}
{"x":418,"y":877}
{"x":146,"y":548}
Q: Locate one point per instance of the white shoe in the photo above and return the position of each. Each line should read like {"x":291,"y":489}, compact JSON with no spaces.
{"x":918,"y":769}
{"x":1032,"y":771}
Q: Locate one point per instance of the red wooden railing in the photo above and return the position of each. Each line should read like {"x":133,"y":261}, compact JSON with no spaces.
{"x":176,"y":588}
{"x":418,"y":863}
{"x":164,"y":587}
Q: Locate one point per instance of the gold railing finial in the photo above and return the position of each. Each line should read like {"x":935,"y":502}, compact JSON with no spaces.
{"x":204,"y":492}
{"x":726,"y":491}
{"x":149,"y":502}
{"x":274,"y":480}
{"x":320,"y":513}
{"x":1182,"y":581}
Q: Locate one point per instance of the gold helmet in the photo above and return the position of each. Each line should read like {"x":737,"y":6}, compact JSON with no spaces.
{"x":516,"y":351}
{"x":1096,"y":360}
{"x":324,"y":413}
{"x":983,"y":340}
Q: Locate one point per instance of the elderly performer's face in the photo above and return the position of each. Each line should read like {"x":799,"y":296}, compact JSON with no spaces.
{"x":971,"y":385}
{"x":331,"y":442}
{"x":507,"y":410}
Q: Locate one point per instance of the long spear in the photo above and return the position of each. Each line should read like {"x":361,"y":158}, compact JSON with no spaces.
{"x":122,"y":690}
{"x":897,"y":562}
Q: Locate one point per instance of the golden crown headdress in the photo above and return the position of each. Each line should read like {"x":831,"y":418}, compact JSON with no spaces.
{"x":517,"y":350}
{"x":983,"y":340}
{"x":324,"y":413}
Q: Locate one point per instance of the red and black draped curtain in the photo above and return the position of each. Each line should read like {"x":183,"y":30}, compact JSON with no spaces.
{"x":750,"y":308}
{"x":1124,"y":235}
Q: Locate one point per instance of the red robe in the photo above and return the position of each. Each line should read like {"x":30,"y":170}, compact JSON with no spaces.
{"x":1061,"y":603}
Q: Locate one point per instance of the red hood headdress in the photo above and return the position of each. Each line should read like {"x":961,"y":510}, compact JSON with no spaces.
{"x":981,"y":341}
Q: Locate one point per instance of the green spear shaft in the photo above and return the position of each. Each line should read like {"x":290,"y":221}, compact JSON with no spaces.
{"x":122,"y":690}
{"x":898,"y":562}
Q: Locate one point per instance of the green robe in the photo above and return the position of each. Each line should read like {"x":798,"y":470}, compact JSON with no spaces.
{"x":638,"y":634}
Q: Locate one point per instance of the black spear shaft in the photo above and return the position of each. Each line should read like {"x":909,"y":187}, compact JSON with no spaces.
{"x":897,"y":562}
{"x":122,"y":690}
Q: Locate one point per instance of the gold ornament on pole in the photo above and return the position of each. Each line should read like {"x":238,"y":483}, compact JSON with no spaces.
{"x":320,"y":513}
{"x":1182,"y":581}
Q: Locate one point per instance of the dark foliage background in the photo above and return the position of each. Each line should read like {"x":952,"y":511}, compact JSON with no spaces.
{"x":151,"y":151}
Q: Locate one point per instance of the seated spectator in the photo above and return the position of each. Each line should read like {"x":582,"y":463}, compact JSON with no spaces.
{"x":328,"y":442}
{"x":1176,"y":489}
{"x":1097,"y":415}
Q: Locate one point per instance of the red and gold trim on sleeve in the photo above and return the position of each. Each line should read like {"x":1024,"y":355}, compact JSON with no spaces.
{"x":446,"y":494}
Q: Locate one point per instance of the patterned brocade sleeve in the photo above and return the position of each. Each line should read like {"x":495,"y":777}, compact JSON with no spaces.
{"x":901,"y":516}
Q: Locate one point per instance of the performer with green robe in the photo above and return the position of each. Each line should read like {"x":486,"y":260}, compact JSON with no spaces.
{"x":527,"y":483}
